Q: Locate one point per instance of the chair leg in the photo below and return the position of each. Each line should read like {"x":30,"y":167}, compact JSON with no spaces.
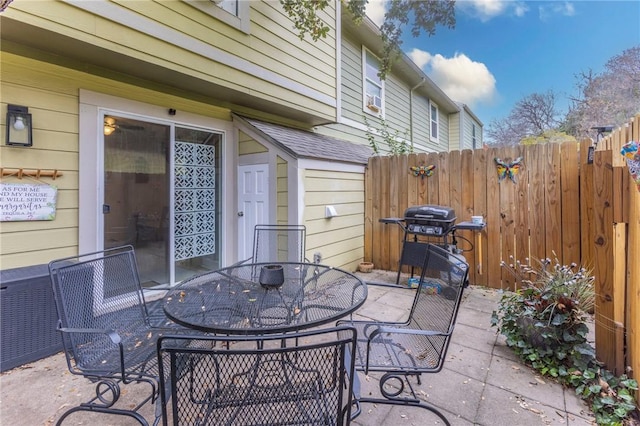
{"x":407,"y":403}
{"x":97,"y":409}
{"x":394,"y":398}
{"x":107,"y":394}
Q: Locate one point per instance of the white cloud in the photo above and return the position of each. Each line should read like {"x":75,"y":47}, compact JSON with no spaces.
{"x":462,"y":79}
{"x":486,"y":10}
{"x":376,"y":10}
{"x":564,"y":9}
{"x":420,"y":57}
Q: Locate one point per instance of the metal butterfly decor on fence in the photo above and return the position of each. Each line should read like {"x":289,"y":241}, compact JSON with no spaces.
{"x":508,"y":169}
{"x":631,"y":151}
{"x":422,"y":171}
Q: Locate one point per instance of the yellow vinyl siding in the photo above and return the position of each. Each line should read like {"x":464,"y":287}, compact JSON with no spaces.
{"x":341,"y":238}
{"x":248,"y":145}
{"x":443,"y":131}
{"x":51,"y":93}
{"x":273,"y":46}
{"x":421,"y":123}
{"x":282,"y":197}
{"x":396,"y":110}
{"x":454,"y":127}
{"x":351,"y":78}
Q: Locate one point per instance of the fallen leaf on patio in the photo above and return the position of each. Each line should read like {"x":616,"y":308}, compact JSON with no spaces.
{"x":515,"y":367}
{"x":535,"y":410}
{"x":404,"y":416}
{"x":246,"y":291}
{"x":296,"y":311}
{"x":541,"y":381}
{"x":515,"y":411}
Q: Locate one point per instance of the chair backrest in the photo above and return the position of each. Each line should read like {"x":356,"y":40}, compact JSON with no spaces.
{"x":97,"y":291}
{"x":303,"y":378}
{"x":443,"y":278}
{"x":279,"y":243}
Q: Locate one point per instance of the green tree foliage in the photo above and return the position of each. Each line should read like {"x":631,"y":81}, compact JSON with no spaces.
{"x":419,"y":15}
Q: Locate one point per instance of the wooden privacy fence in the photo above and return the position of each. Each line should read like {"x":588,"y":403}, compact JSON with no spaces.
{"x":560,"y":207}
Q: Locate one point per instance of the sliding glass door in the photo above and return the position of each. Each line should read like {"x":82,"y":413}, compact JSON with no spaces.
{"x":161,"y":195}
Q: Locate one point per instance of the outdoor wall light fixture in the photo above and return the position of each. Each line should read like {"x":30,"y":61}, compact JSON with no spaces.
{"x":18,"y":126}
{"x":109,"y":125}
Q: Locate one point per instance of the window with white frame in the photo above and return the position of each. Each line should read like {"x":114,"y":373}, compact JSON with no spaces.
{"x":373,"y":85}
{"x":232,"y":12}
{"x":434,"y":122}
{"x":473,"y":136}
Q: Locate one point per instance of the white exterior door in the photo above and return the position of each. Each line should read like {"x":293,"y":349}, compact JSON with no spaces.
{"x":253,"y":204}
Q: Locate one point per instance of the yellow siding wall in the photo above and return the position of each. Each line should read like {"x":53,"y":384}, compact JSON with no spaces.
{"x":341,"y":238}
{"x":454,"y":128}
{"x":51,"y":93}
{"x":248,"y":145}
{"x":168,"y":33}
{"x":282,"y":197}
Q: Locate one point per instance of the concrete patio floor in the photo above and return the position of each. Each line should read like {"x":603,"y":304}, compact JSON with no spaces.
{"x":482,"y":382}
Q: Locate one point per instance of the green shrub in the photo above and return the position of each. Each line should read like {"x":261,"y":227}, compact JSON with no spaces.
{"x":545,"y":323}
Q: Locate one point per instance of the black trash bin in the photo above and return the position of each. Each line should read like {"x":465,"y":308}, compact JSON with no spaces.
{"x":28,"y":317}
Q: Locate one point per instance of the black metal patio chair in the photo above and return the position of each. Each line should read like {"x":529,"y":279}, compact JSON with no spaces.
{"x":419,"y":344}
{"x":107,"y":335}
{"x":295,"y":379}
{"x":278,"y":243}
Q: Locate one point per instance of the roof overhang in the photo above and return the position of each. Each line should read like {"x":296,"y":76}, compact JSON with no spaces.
{"x":301,"y":143}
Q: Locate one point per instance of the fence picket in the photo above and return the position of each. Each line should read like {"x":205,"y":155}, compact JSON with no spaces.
{"x":562,"y":207}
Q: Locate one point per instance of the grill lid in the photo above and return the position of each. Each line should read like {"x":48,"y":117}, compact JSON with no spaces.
{"x":429,"y":213}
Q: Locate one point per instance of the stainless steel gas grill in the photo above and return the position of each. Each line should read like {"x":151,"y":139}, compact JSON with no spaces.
{"x":427,"y":224}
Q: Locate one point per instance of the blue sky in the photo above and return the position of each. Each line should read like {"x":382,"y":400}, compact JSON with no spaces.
{"x":501,"y":51}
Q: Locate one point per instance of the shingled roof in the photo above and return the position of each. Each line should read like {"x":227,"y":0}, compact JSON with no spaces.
{"x":305,"y":144}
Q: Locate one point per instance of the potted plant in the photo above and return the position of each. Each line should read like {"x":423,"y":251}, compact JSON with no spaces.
{"x":545,"y":323}
{"x":365,"y":267}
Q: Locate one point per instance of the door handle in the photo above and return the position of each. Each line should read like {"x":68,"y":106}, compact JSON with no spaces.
{"x":106,"y":209}
{"x":240,"y":214}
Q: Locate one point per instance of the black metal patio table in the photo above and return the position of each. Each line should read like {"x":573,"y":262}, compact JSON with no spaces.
{"x":233,"y":300}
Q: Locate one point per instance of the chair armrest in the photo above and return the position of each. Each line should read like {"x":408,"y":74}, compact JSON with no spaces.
{"x":113,"y":335}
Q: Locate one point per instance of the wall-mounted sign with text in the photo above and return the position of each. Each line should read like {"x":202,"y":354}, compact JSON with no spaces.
{"x":25,"y":201}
